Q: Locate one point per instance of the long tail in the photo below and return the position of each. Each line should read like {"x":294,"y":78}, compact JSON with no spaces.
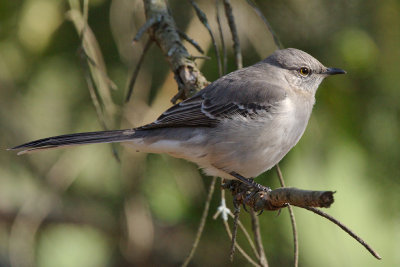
{"x":76,"y":139}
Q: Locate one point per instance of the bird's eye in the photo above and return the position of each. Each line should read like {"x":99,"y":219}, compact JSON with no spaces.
{"x":304,"y":71}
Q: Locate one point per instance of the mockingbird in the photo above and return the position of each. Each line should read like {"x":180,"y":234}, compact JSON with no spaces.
{"x":236,"y":128}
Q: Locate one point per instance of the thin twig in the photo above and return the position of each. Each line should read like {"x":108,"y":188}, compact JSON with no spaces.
{"x":247,"y":235}
{"x":96,"y":102}
{"x":292,"y":220}
{"x":239,"y":248}
{"x":190,"y":40}
{"x":95,"y":58}
{"x":203,"y":18}
{"x":202,"y":222}
{"x":235,"y":36}
{"x":96,"y":74}
{"x":225,"y":221}
{"x":261,"y":15}
{"x":105,"y":76}
{"x":92,"y":92}
{"x":234,"y":232}
{"x":137,"y":69}
{"x":255,"y":224}
{"x":147,"y":25}
{"x":86,"y":60}
{"x":245,"y":232}
{"x":280,"y":175}
{"x":200,"y":57}
{"x":346,"y":229}
{"x":221,"y":36}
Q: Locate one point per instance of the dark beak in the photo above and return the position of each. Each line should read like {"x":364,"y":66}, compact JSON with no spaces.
{"x":334,"y":71}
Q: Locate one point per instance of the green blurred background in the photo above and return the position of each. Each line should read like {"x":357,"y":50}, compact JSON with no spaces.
{"x":81,"y":207}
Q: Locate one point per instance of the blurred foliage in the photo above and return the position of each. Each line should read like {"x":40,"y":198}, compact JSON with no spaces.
{"x":80,"y":207}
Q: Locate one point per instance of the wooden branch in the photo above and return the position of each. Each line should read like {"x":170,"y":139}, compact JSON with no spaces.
{"x":347,"y":230}
{"x":278,"y":198}
{"x":165,"y":34}
{"x":284,"y":196}
{"x":235,"y":36}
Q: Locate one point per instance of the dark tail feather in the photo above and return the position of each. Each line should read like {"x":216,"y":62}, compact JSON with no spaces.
{"x":76,"y":139}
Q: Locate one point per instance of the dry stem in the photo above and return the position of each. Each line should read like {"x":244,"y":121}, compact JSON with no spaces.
{"x":292,"y":220}
{"x":189,"y":78}
{"x":235,"y":36}
{"x":202,"y":223}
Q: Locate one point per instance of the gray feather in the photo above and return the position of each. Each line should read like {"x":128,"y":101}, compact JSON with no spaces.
{"x":225,"y":98}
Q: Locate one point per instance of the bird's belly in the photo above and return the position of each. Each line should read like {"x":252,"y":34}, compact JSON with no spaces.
{"x":257,"y":147}
{"x":266,"y":153}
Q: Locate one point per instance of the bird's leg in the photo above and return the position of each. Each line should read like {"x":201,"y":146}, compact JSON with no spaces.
{"x":250,"y":182}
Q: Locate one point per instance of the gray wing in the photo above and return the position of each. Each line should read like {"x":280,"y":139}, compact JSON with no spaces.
{"x":244,"y":93}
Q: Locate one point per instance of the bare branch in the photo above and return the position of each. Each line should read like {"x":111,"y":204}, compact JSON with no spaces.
{"x":202,"y":222}
{"x":95,"y":99}
{"x":189,"y":78}
{"x":137,"y":69}
{"x":299,"y":197}
{"x":92,"y":90}
{"x":292,"y":220}
{"x":278,"y":198}
{"x":96,"y":62}
{"x":191,"y":41}
{"x":203,"y":18}
{"x":255,"y":224}
{"x":93,"y":63}
{"x":234,"y":232}
{"x":201,"y":57}
{"x":261,"y":15}
{"x":146,"y":26}
{"x":99,"y":84}
{"x":246,"y":234}
{"x":235,"y":36}
{"x":347,"y":230}
{"x":239,"y":248}
{"x":221,"y":36}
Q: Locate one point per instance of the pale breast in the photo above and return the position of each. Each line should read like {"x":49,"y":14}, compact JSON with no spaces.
{"x":261,"y":144}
